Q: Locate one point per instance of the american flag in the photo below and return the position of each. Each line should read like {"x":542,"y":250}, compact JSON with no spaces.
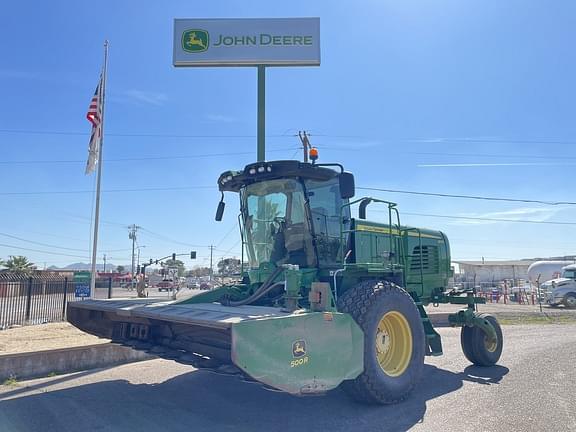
{"x":94,"y":116}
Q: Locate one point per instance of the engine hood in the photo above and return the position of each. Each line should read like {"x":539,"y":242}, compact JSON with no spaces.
{"x":558,"y":282}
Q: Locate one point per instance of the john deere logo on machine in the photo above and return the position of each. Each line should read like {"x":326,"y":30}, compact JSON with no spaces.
{"x":299,"y":353}
{"x":299,"y":348}
{"x":195,"y":40}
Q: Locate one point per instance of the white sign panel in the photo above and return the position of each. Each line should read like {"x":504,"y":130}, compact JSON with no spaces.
{"x":247,"y":42}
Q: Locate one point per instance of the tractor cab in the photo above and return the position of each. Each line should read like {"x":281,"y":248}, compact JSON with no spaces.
{"x":291,"y":212}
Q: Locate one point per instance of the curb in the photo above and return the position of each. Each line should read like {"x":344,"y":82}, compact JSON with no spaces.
{"x":65,"y":360}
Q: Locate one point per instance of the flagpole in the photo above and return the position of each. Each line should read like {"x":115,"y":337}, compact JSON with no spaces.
{"x":99,"y":175}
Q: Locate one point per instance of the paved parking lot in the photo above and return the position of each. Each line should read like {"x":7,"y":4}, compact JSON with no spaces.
{"x":530,"y":390}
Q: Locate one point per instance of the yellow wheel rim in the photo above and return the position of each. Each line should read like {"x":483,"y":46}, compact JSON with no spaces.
{"x":393,"y":343}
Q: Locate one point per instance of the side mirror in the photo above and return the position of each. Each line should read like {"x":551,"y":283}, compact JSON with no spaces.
{"x":347,"y":188}
{"x":220,"y":210}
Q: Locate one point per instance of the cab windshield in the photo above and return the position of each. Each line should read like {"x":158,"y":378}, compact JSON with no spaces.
{"x":276,"y":228}
{"x":569,"y":274}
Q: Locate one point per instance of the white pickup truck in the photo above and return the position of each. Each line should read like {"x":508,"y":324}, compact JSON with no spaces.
{"x":561,"y":291}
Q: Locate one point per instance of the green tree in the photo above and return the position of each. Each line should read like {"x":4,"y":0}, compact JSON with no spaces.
{"x":120,"y":269}
{"x":19,"y":264}
{"x":198,"y":271}
{"x":229,"y":266}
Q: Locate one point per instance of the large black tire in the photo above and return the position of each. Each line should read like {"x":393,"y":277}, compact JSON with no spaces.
{"x":570,"y":301}
{"x":368,"y":303}
{"x":475,"y":346}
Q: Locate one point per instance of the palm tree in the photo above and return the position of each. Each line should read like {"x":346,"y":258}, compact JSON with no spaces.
{"x":19,"y":264}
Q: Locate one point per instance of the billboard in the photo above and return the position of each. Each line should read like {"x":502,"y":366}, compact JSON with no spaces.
{"x":247,"y":42}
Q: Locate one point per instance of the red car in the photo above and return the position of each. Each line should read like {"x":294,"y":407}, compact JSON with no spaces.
{"x":165,"y":285}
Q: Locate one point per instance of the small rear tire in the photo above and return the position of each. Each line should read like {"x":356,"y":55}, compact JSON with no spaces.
{"x":394,"y":342}
{"x":476,"y":346}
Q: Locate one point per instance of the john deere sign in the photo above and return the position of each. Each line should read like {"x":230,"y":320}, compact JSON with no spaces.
{"x":247,"y":42}
{"x":195,"y":40}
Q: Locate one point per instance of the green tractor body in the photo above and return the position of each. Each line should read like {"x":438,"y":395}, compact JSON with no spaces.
{"x":325,"y":298}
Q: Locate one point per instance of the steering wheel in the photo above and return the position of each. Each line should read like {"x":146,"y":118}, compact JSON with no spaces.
{"x":277,"y":225}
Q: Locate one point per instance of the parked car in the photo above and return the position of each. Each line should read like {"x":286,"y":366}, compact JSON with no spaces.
{"x":166,"y":285}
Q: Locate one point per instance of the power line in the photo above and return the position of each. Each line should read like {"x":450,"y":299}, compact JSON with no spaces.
{"x":490,"y":140}
{"x":43,"y":251}
{"x":144,"y":158}
{"x":136,"y":135}
{"x":177,"y":188}
{"x":473,"y":197}
{"x":284,"y":135}
{"x":491,"y":155}
{"x":153,"y":189}
{"x":41,"y":244}
{"x":55,"y":246}
{"x":170,"y":240}
{"x":226,"y":235}
{"x":490,"y":219}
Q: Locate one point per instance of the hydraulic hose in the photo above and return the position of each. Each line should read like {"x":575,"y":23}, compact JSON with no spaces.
{"x":263,"y":289}
{"x":256,"y":295}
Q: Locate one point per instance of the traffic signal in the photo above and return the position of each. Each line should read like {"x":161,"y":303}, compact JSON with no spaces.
{"x":173,"y":257}
{"x":151,"y":261}
{"x":193,"y":255}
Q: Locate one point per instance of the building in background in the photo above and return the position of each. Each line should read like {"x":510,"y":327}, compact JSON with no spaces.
{"x":491,"y":272}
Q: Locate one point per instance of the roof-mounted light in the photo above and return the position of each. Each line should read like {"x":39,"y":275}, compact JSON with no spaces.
{"x":313,"y":154}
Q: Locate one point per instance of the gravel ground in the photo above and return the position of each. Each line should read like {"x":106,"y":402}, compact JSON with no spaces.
{"x":44,"y":337}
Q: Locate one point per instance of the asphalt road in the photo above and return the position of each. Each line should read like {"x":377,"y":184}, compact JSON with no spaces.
{"x":531,"y":390}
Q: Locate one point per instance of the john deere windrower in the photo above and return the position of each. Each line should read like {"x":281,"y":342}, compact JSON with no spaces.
{"x":326,"y":299}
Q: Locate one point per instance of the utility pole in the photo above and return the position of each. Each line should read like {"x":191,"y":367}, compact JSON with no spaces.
{"x":138,"y":260}
{"x":305,"y":143}
{"x":104,"y":263}
{"x":211,"y":271}
{"x":132,"y":236}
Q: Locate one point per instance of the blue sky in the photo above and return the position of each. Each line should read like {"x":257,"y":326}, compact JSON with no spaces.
{"x":451,"y":96}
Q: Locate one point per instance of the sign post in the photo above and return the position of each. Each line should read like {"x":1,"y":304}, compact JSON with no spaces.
{"x":261,"y":122}
{"x":82,"y":284}
{"x":248,"y":42}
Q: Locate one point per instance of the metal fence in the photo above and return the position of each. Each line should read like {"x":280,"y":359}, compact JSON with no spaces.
{"x":36,"y":298}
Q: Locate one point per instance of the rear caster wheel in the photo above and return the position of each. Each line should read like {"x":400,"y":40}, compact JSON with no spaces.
{"x":476,"y":345}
